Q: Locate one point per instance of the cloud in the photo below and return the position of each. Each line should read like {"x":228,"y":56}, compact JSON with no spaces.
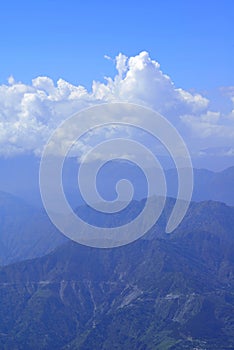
{"x":140,"y":80}
{"x":211,"y":131}
{"x":30,"y":113}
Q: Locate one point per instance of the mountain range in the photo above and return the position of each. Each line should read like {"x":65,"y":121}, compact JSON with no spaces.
{"x":19,"y":176}
{"x":164,"y":291}
{"x":25,"y":231}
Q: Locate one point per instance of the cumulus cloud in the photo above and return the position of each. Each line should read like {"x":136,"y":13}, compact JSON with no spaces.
{"x":30,"y":113}
{"x":140,"y":80}
{"x":210,"y":134}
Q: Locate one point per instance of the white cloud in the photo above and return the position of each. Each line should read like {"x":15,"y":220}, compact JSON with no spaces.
{"x":29,"y":113}
{"x":140,"y":80}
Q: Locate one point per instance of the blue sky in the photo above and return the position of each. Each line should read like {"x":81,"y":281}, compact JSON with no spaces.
{"x":192,"y":40}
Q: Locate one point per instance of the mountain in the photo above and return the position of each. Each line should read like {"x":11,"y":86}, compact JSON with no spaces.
{"x":25,"y":231}
{"x":20,"y":177}
{"x":208,"y":185}
{"x":162,"y":292}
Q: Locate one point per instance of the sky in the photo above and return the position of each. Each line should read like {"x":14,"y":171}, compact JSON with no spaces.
{"x":192,"y":40}
{"x":181,"y":53}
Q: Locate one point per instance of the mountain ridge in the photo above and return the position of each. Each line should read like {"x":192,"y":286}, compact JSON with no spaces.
{"x":26,"y":184}
{"x":162,"y":292}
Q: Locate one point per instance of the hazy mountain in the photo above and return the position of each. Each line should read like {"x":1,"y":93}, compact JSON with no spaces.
{"x":217,"y":186}
{"x":19,"y":176}
{"x":25,"y":232}
{"x":163,"y":292}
